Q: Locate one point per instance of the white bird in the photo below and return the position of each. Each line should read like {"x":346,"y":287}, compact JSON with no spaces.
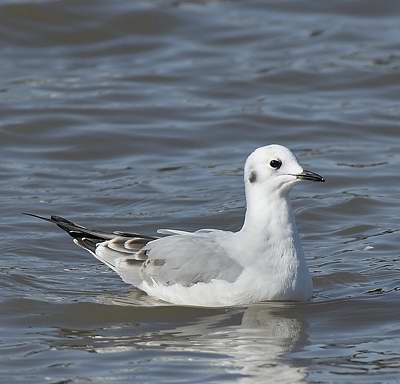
{"x":264,"y":260}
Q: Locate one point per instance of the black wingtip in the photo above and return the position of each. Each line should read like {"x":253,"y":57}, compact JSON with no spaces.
{"x":62,"y":220}
{"x":37,"y":216}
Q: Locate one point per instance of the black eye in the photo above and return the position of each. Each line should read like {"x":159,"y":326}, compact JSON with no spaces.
{"x":275,"y":164}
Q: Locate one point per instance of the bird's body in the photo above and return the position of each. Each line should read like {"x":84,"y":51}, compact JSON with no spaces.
{"x":262,"y":261}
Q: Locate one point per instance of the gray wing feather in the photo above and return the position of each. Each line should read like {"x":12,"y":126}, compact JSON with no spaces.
{"x":188,"y":259}
{"x":125,"y":256}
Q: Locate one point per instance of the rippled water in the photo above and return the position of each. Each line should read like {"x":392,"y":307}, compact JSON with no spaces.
{"x":134,"y":115}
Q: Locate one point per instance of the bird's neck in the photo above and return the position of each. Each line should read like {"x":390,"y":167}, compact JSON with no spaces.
{"x":271,"y":242}
{"x":269,"y":223}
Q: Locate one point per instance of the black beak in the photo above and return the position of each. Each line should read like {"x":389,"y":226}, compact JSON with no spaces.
{"x":308,"y":175}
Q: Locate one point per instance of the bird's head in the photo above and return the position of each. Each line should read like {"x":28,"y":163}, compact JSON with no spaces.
{"x":274,"y":168}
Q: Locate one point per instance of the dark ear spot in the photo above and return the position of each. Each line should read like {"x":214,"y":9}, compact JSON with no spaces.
{"x":253,"y":177}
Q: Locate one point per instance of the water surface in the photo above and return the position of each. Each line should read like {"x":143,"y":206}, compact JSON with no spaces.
{"x":138,"y":115}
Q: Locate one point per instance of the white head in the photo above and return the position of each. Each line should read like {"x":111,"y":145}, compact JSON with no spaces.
{"x":274,"y":168}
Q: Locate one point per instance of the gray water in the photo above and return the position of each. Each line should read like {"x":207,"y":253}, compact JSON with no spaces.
{"x":138,"y":115}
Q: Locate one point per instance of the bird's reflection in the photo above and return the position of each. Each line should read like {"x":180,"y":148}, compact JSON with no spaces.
{"x":254,"y":339}
{"x":251,"y":341}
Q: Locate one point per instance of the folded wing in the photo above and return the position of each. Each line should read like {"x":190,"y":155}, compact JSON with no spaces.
{"x":188,"y":259}
{"x":181,"y":258}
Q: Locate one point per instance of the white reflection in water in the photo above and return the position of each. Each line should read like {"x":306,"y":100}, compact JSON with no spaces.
{"x":251,"y":342}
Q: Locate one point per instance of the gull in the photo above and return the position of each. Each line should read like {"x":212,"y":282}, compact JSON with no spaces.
{"x":263,"y":261}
